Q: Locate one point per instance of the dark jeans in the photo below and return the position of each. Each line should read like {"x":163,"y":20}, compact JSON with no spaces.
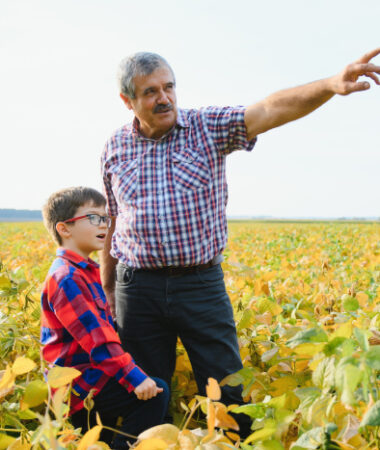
{"x":153,"y":309}
{"x":137,"y":415}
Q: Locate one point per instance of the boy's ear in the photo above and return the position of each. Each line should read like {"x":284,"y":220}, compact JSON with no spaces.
{"x":126,"y":100}
{"x":63,"y":230}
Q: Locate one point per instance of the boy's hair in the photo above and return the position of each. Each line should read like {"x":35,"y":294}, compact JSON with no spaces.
{"x":63,"y":205}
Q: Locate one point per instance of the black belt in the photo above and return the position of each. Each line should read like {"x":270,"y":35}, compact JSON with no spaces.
{"x":179,"y":270}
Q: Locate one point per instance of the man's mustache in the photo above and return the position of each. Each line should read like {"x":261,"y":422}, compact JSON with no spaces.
{"x":163,"y":108}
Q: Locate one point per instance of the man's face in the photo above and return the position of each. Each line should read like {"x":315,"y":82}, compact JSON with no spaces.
{"x":155,"y":102}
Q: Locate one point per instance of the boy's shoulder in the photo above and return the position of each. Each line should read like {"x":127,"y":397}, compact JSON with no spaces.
{"x":68,"y":266}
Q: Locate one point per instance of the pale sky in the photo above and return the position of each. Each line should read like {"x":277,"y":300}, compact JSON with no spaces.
{"x":59,"y":99}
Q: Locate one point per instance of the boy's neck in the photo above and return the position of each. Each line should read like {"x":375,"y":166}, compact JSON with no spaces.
{"x":67,"y":245}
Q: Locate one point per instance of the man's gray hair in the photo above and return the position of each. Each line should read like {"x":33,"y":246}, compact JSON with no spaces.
{"x":141,"y":63}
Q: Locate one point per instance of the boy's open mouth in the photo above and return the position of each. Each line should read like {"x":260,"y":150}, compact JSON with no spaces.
{"x":101,"y":236}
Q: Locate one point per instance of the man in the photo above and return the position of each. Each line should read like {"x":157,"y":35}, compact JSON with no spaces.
{"x":164,"y":179}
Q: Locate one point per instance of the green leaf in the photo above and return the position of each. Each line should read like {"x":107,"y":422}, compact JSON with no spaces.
{"x":311,"y":439}
{"x":350,"y":304}
{"x":347,"y":378}
{"x":255,"y":411}
{"x":307,"y":336}
{"x":243,"y":376}
{"x":372,"y":416}
{"x":330,"y":347}
{"x":269,"y":445}
{"x":5,"y":282}
{"x":27,"y":414}
{"x":324,"y":374}
{"x":362,"y":338}
{"x":372,"y":357}
{"x":35,"y":393}
{"x":246,"y":319}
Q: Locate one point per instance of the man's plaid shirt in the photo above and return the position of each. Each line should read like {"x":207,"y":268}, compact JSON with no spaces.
{"x":77,"y":328}
{"x":169,"y":195}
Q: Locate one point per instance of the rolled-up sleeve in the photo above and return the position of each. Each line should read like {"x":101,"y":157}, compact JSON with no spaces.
{"x":111,"y":206}
{"x":227,"y":128}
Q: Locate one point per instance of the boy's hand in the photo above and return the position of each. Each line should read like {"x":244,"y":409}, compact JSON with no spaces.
{"x":147,"y":389}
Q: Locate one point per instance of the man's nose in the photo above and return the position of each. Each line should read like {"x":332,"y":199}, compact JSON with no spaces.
{"x":162,"y":97}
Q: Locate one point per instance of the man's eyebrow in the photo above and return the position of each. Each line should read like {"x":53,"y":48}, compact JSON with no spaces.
{"x":150,"y":88}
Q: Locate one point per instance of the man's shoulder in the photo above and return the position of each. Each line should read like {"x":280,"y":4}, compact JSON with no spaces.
{"x":212,"y":111}
{"x":123,"y":132}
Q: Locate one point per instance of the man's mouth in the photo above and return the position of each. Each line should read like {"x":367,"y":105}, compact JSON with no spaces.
{"x":163,"y":109}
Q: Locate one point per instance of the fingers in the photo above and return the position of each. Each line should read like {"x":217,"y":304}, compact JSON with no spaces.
{"x":368,"y":56}
{"x":358,"y":69}
{"x":373,"y":76}
{"x":356,"y":87}
{"x":147,"y":389}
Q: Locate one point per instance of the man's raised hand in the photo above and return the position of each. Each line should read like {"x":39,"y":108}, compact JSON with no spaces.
{"x":347,"y":82}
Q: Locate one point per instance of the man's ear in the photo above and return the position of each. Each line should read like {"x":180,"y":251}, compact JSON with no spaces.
{"x":63,"y":230}
{"x":126,"y":100}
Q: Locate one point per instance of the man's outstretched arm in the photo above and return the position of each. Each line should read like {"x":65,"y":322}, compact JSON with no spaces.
{"x":107,"y":269}
{"x":291,"y":104}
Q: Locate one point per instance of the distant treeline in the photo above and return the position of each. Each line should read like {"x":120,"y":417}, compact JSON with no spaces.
{"x":20,"y":215}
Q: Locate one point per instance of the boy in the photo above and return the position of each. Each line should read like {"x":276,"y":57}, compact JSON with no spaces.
{"x":77,"y":328}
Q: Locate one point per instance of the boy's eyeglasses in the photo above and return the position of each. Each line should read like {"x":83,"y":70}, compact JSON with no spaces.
{"x":94,"y":219}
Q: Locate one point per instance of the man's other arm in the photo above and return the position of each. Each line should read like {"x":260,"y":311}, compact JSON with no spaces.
{"x":291,"y":104}
{"x":107,"y":269}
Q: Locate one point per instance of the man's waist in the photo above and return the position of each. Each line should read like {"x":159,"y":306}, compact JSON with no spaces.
{"x":177,"y":270}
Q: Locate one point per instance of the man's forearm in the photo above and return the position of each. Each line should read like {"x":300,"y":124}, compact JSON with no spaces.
{"x":287,"y":105}
{"x":291,"y":104}
{"x":108,"y":262}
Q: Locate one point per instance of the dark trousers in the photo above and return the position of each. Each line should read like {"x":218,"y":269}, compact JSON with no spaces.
{"x":114,"y":401}
{"x":153,"y":309}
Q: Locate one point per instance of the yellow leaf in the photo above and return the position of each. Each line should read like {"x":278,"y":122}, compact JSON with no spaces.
{"x":60,"y":376}
{"x":19,"y":444}
{"x":213,"y":389}
{"x":6,"y":381}
{"x":265,"y":318}
{"x":282,"y":385}
{"x":183,"y":364}
{"x":344,"y":331}
{"x":266,"y":305}
{"x":187,"y":440}
{"x":210,"y":417}
{"x":5,"y":282}
{"x":308,"y":349}
{"x":90,"y":437}
{"x":266,"y":432}
{"x":362,"y":298}
{"x":35,"y":393}
{"x":5,"y":441}
{"x":152,"y":444}
{"x":166,"y":432}
{"x":315,"y":362}
{"x":58,"y":402}
{"x":233,"y":436}
{"x":23,"y":365}
{"x":344,"y":446}
{"x":223,"y":419}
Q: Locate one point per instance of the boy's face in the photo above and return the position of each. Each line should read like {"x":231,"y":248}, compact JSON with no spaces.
{"x":82,"y":236}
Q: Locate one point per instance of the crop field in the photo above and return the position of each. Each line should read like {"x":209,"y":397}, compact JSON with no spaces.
{"x":306,"y":298}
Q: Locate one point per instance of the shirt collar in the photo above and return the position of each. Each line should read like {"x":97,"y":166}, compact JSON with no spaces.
{"x":75,"y":258}
{"x":182,"y":121}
